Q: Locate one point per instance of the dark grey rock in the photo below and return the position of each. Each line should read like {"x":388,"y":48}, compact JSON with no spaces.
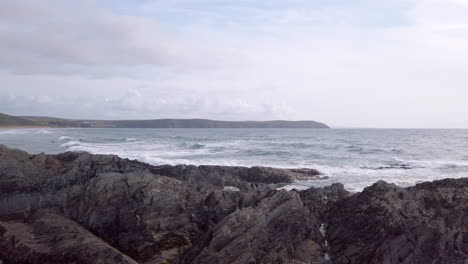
{"x":49,"y":237}
{"x":427,"y":223}
{"x":83,"y":208}
{"x":240,"y":177}
{"x":283,"y":227}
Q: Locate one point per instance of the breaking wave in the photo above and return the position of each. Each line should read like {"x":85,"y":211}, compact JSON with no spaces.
{"x":356,"y":158}
{"x":63,"y":138}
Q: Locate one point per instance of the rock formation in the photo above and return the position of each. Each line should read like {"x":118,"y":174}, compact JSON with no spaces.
{"x":427,"y":223}
{"x":83,"y":208}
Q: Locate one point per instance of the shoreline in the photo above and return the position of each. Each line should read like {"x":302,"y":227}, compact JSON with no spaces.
{"x":23,"y":127}
{"x":326,"y":174}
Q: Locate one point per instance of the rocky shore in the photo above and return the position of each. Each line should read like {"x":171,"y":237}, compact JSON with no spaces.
{"x":83,"y":208}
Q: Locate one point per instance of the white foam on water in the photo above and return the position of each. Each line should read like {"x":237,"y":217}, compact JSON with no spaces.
{"x":355,"y":177}
{"x":356,"y":158}
{"x":435,"y":164}
{"x":84,"y":148}
{"x":71,"y":144}
{"x":155,"y":159}
{"x":63,"y":138}
{"x":17,"y":131}
{"x":44,"y":131}
{"x":290,"y":187}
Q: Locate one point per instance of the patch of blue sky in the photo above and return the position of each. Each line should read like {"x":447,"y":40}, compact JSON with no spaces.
{"x":255,"y":14}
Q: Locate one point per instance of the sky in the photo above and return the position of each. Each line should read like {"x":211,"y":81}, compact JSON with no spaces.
{"x":347,"y":63}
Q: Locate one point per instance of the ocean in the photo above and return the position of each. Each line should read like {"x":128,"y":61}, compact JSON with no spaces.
{"x":355,"y":157}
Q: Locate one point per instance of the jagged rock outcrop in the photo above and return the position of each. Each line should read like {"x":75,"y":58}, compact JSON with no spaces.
{"x":427,"y":223}
{"x":283,"y":227}
{"x":234,"y":176}
{"x":49,"y":237}
{"x":146,"y":217}
{"x":24,"y":172}
{"x":83,"y":208}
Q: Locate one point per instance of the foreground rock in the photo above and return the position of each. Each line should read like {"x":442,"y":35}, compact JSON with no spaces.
{"x":82,"y":208}
{"x":427,"y":223}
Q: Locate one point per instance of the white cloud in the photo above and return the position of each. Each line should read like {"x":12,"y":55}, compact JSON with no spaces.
{"x":366,"y":63}
{"x":78,"y":37}
{"x":133,"y":104}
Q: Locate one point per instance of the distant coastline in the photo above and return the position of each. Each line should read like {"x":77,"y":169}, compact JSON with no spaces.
{"x":22,"y":127}
{"x":15,"y":122}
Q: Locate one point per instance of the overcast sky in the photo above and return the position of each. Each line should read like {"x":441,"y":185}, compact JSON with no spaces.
{"x":357,"y":63}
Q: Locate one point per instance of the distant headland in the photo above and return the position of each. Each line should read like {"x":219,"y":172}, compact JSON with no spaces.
{"x":39,"y":121}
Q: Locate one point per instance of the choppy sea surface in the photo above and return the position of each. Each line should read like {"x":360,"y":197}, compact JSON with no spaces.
{"x":355,"y":157}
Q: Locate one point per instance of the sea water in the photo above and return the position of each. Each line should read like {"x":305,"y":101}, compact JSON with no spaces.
{"x":355,"y":157}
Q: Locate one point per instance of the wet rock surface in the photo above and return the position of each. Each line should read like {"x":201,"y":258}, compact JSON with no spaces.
{"x":83,"y":208}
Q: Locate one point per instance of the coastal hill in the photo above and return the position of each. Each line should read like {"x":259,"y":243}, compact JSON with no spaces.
{"x":6,"y":120}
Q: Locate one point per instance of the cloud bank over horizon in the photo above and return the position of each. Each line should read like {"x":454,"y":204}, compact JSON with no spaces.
{"x":358,"y":63}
